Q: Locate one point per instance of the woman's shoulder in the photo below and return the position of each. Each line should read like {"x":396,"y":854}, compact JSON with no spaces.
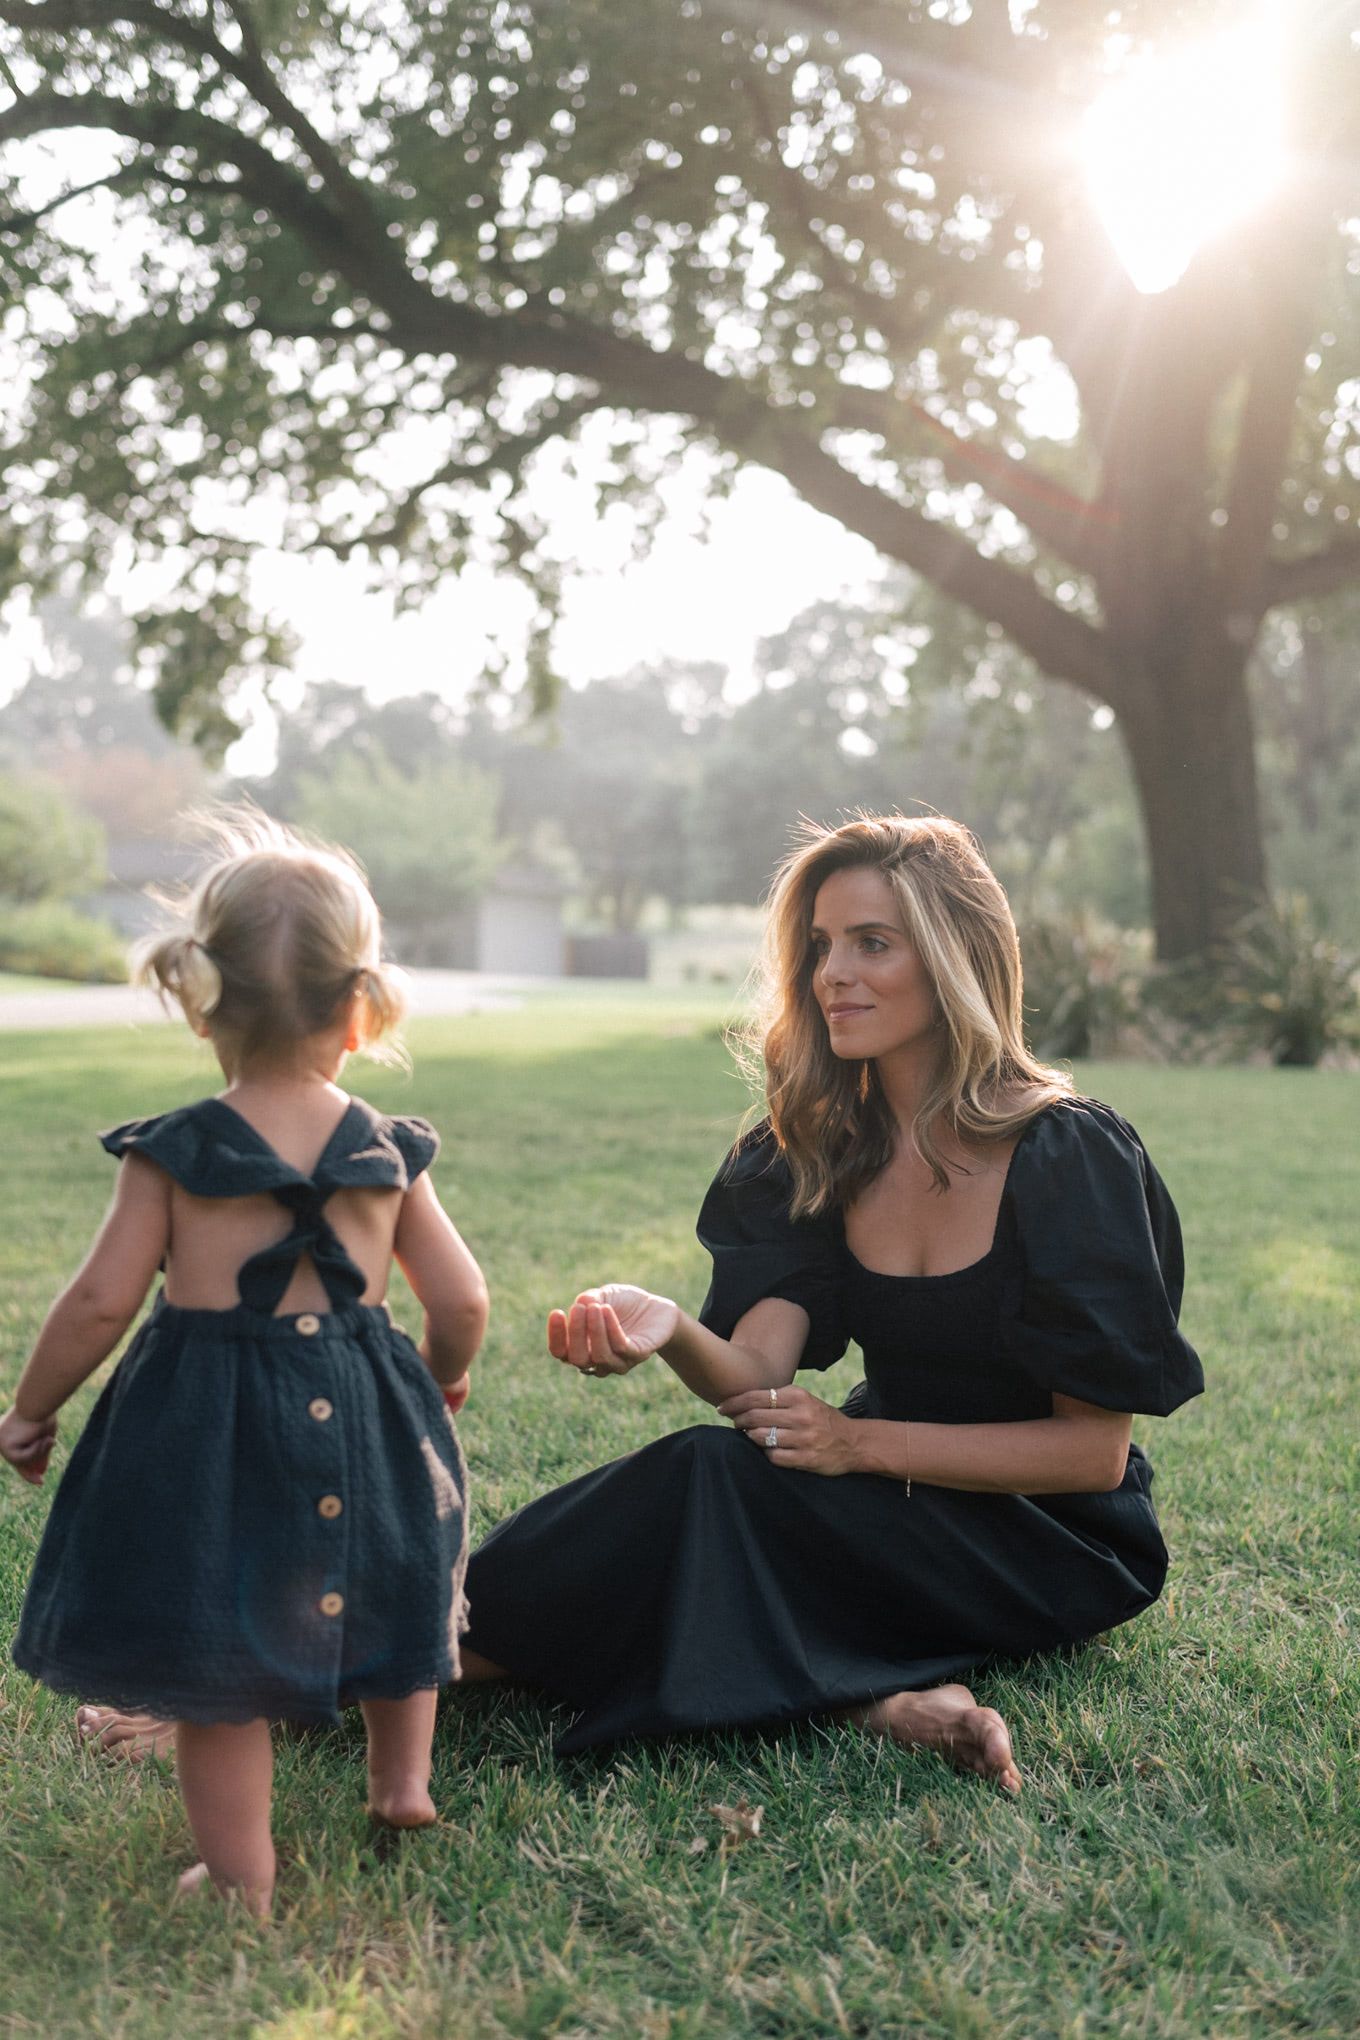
{"x":1076,"y":1127}
{"x":755,"y":1157}
{"x":1079,"y":1165}
{"x":750,"y":1196}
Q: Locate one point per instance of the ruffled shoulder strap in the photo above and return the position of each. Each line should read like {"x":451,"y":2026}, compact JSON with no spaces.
{"x":372,"y":1150}
{"x":211,"y":1151}
{"x":208,"y":1149}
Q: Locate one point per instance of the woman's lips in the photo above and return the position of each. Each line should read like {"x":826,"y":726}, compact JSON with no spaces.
{"x":846,"y":1012}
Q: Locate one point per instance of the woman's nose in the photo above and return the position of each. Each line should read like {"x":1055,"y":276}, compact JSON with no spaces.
{"x":836,"y":967}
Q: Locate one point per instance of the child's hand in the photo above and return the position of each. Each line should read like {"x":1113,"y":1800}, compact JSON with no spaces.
{"x":27,"y":1445}
{"x":456,"y":1393}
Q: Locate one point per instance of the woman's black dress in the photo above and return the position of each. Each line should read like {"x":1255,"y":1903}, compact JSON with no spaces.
{"x":693,"y":1585}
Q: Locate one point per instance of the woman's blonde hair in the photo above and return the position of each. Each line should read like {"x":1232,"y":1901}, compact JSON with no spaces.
{"x":829,"y":1115}
{"x":272,"y":941}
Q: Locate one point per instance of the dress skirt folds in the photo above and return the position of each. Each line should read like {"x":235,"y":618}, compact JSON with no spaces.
{"x":692,"y":1585}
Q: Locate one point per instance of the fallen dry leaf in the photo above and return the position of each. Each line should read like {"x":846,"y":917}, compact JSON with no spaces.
{"x":741,"y":1822}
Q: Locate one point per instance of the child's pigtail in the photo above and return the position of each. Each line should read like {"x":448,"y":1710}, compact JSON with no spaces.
{"x":180,"y":968}
{"x":383,"y":999}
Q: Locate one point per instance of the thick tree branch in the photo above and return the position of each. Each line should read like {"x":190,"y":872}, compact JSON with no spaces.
{"x":1062,"y":644}
{"x":82,"y":17}
{"x":1312,"y":575}
{"x":372,"y":267}
{"x":248,"y":66}
{"x":1066,"y":523}
{"x":132,"y":174}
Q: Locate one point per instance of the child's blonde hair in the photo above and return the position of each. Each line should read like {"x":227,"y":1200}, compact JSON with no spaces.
{"x":273,"y":940}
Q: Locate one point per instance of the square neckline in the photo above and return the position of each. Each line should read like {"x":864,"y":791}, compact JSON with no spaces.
{"x":972,"y":1267}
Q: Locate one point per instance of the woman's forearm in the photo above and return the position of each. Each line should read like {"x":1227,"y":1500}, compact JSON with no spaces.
{"x":715,"y":1368}
{"x":1040,"y":1456}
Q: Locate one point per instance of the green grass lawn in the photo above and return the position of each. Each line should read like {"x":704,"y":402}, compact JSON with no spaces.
{"x":1184,"y":1858}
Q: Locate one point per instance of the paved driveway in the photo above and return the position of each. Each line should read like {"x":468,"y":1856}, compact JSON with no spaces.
{"x":432,"y":992}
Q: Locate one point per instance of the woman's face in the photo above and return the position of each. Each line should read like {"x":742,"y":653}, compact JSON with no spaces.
{"x":869,"y":982}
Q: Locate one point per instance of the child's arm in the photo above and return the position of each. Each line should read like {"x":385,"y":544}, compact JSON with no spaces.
{"x":447,"y":1282}
{"x":91,"y":1314}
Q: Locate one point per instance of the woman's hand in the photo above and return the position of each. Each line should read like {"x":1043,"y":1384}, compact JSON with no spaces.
{"x":609,"y":1330}
{"x":27,"y":1445}
{"x":809,"y":1433}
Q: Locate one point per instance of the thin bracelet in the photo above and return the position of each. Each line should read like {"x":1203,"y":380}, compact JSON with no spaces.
{"x":907,"y":1428}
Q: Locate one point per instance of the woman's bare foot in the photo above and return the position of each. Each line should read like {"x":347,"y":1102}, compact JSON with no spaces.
{"x":947,"y":1719}
{"x":129,"y":1737}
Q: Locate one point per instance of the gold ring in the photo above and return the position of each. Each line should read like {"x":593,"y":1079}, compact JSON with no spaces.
{"x":774,"y":1398}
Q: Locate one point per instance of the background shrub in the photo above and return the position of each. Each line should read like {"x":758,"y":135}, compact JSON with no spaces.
{"x":1083,"y":984}
{"x":1287,"y":986}
{"x":50,"y":939}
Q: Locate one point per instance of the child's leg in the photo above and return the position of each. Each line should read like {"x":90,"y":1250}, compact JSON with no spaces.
{"x":226,"y":1774}
{"x":400,"y":1735}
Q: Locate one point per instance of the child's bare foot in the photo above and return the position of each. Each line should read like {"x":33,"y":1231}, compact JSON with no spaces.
{"x":399,"y":1736}
{"x":398,"y":1806}
{"x":197,"y":1882}
{"x":129,"y":1737}
{"x":949,"y":1720}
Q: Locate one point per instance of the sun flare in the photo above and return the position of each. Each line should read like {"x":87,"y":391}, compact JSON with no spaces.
{"x":1181,"y":146}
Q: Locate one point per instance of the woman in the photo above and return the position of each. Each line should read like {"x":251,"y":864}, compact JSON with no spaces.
{"x":1008,"y":1260}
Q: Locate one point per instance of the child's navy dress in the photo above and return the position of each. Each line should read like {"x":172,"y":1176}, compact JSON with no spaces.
{"x":264,"y":1515}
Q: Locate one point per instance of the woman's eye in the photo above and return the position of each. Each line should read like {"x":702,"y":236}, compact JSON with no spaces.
{"x":873,"y":943}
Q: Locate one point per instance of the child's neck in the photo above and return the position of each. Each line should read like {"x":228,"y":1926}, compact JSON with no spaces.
{"x":313,"y":1066}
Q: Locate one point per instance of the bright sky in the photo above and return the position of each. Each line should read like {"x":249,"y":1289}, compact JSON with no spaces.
{"x":767,"y":556}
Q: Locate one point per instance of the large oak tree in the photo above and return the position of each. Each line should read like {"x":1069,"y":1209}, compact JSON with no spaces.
{"x":352,"y":264}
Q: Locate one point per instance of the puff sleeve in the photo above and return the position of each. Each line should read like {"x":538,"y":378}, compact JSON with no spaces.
{"x":416,"y":1141}
{"x":759,"y":1251}
{"x":1103,"y":1266}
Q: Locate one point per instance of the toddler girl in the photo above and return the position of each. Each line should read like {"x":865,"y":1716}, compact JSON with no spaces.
{"x":265,"y":1515}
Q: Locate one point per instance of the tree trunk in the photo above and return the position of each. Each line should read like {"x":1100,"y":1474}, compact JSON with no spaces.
{"x":1187,"y":727}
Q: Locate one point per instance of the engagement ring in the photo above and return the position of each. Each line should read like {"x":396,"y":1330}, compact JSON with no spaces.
{"x":590,"y":1370}
{"x":772,"y":1437}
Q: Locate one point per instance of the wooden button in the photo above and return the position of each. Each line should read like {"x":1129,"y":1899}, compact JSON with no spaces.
{"x":309,"y":1325}
{"x":319,"y":1408}
{"x":331,"y":1604}
{"x":329,"y":1505}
